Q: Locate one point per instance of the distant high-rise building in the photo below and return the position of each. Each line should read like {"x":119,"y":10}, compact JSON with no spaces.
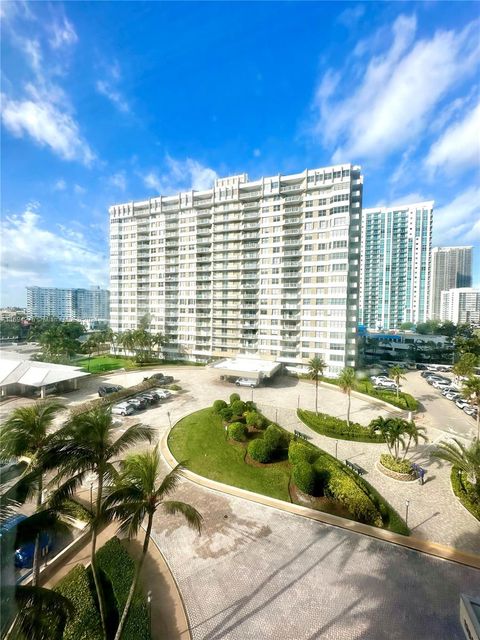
{"x":68,"y":304}
{"x":451,"y":269}
{"x":267,"y":267}
{"x":461,"y":306}
{"x":395,"y":265}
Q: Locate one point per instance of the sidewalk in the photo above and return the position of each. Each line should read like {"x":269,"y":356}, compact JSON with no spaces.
{"x":168,"y":618}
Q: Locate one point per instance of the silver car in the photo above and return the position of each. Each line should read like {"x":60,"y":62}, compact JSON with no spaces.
{"x":122,"y":409}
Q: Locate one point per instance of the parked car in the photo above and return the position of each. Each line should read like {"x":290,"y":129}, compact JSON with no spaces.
{"x":453,"y":396}
{"x":163,"y":394}
{"x":150,"y":397}
{"x":24,"y":554}
{"x":122,"y":409}
{"x":461,"y":403}
{"x":246,"y":382}
{"x":440,"y":384}
{"x":421,"y":367}
{"x":106,"y":389}
{"x":161,"y":379}
{"x":138,"y":403}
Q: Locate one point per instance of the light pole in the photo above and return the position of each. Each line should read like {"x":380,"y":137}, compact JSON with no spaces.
{"x":276,"y":416}
{"x":252,"y":394}
{"x":169,"y":420}
{"x":336,"y":449}
{"x":298,"y":402}
{"x":407,"y":504}
{"x":149,"y":600}
{"x":91,"y":495}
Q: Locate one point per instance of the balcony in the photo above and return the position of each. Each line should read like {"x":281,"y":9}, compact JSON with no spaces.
{"x":247,"y":195}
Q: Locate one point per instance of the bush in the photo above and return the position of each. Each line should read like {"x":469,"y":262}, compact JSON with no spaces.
{"x":237,"y":431}
{"x":259,"y":450}
{"x":299,"y":452}
{"x":399,"y":466}
{"x":274,"y":438}
{"x":238,"y":407}
{"x":304,"y":477}
{"x":465,"y":492}
{"x":85,"y":623}
{"x":114,"y":560}
{"x":226,"y":413}
{"x":174,"y":387}
{"x":337,"y":428}
{"x":342,"y":487}
{"x":234,"y":397}
{"x":255,"y":419}
{"x":218,"y":405}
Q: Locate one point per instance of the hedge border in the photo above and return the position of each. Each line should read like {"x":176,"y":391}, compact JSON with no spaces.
{"x":461,"y":494}
{"x":308,"y":418}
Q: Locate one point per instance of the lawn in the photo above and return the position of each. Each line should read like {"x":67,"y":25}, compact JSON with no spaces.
{"x":200,"y":440}
{"x":99,"y":364}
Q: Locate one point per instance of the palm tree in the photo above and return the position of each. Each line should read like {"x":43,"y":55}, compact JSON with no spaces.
{"x":414,"y":433}
{"x":396,"y":373}
{"x":26,"y":433}
{"x":346,"y":380}
{"x":394,"y":431}
{"x":471,"y":391}
{"x":462,"y":457}
{"x":137,"y":495}
{"x":86,"y":445}
{"x":316,"y":367}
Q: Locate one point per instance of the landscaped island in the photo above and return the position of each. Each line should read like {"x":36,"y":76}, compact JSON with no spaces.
{"x":234,"y":444}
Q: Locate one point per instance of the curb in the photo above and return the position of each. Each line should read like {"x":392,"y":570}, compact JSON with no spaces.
{"x":423,"y":546}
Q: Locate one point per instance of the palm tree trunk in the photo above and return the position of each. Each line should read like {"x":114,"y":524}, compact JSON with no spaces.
{"x":478,"y":422}
{"x":135,"y":578}
{"x":397,"y":389}
{"x":98,"y":588}
{"x":407,"y":448}
{"x":348,"y":410}
{"x":316,"y":395}
{"x":36,"y":553}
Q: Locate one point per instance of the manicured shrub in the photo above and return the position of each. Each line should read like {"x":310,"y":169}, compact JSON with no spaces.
{"x":238,"y":407}
{"x":174,"y":387}
{"x":85,"y":623}
{"x":337,"y":428}
{"x":304,"y":477}
{"x":343,"y":488}
{"x":250,"y":406}
{"x":234,"y":397}
{"x":299,"y":452}
{"x":399,"y":466}
{"x":465,"y":492}
{"x":237,"y":431}
{"x":259,"y":451}
{"x":274,"y":438}
{"x":218,"y":405}
{"x":114,"y":560}
{"x":226,"y":413}
{"x":254,"y":419}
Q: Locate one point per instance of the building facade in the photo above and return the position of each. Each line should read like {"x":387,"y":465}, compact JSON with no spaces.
{"x":396,"y":247}
{"x":461,"y":306}
{"x":68,"y":304}
{"x":269,"y":267}
{"x":451,"y":269}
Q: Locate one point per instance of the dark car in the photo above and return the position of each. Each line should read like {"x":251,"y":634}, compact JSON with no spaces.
{"x":106,"y":389}
{"x":149,"y":397}
{"x":161,"y":379}
{"x":138,"y":402}
{"x":421,"y":367}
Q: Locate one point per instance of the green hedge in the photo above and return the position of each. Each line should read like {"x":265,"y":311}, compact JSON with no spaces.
{"x":234,"y":397}
{"x":337,"y":428}
{"x":259,"y":451}
{"x":112,"y":398}
{"x":465,"y":492}
{"x":238,"y":407}
{"x":255,"y":419}
{"x":303,"y":476}
{"x":218,"y":405}
{"x":274,"y":437}
{"x":114,"y":560}
{"x":237,"y":431}
{"x":400,"y":466}
{"x":299,"y":452}
{"x":85,"y":623}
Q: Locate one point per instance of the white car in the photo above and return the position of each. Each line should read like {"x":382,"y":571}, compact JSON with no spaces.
{"x":163,"y":394}
{"x":246,"y":382}
{"x":122,"y":409}
{"x":381,"y":380}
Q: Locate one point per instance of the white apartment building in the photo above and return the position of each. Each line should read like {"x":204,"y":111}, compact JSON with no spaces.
{"x":451,"y":269}
{"x":268,"y":268}
{"x":68,"y":304}
{"x":461,"y":306}
{"x":396,"y":246}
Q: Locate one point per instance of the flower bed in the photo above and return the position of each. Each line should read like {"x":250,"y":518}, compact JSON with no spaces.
{"x":396,"y":469}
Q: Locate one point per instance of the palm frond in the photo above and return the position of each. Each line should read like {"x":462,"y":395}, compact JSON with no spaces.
{"x":193,"y":517}
{"x":66,"y":490}
{"x":170,"y":482}
{"x":42,"y":613}
{"x":133,"y":435}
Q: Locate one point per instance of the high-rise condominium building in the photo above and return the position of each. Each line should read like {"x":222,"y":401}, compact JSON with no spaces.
{"x":268,"y":267}
{"x":68,"y":304}
{"x":461,"y":306}
{"x":395,"y":265}
{"x":451,"y":269}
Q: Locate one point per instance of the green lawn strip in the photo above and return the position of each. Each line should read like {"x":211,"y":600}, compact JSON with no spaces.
{"x":463,"y":489}
{"x":337,"y":428}
{"x":199,"y":439}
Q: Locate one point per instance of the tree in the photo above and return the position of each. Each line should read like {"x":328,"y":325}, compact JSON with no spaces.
{"x":471,"y":392}
{"x":406,"y":326}
{"x":26,"y":433}
{"x":90,"y":346}
{"x":138,"y":494}
{"x":86,"y":445}
{"x":414,"y":433}
{"x":316,"y":367}
{"x":396,"y":373}
{"x":466,"y":365}
{"x":462,"y":457}
{"x":394,"y":432}
{"x":346,"y":381}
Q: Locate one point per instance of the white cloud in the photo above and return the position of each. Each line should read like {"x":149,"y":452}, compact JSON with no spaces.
{"x":119,"y":180}
{"x":62,"y":33}
{"x":31,"y":255}
{"x":257,"y":153}
{"x":458,"y":146}
{"x":106,"y":89}
{"x":349,"y":17}
{"x":79,"y":190}
{"x":180,"y":175}
{"x":60,"y":185}
{"x":459,"y":220}
{"x":50,"y":126}
{"x":398,"y":92}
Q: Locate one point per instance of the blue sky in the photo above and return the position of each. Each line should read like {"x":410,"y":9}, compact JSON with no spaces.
{"x":108,"y":102}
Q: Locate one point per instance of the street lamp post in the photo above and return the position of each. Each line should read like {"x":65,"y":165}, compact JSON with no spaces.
{"x":407,"y":504}
{"x":149,"y":600}
{"x":169,"y":420}
{"x":336,"y":449}
{"x":252,"y":394}
{"x":298,"y":402}
{"x":91,"y":495}
{"x":276,"y":416}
